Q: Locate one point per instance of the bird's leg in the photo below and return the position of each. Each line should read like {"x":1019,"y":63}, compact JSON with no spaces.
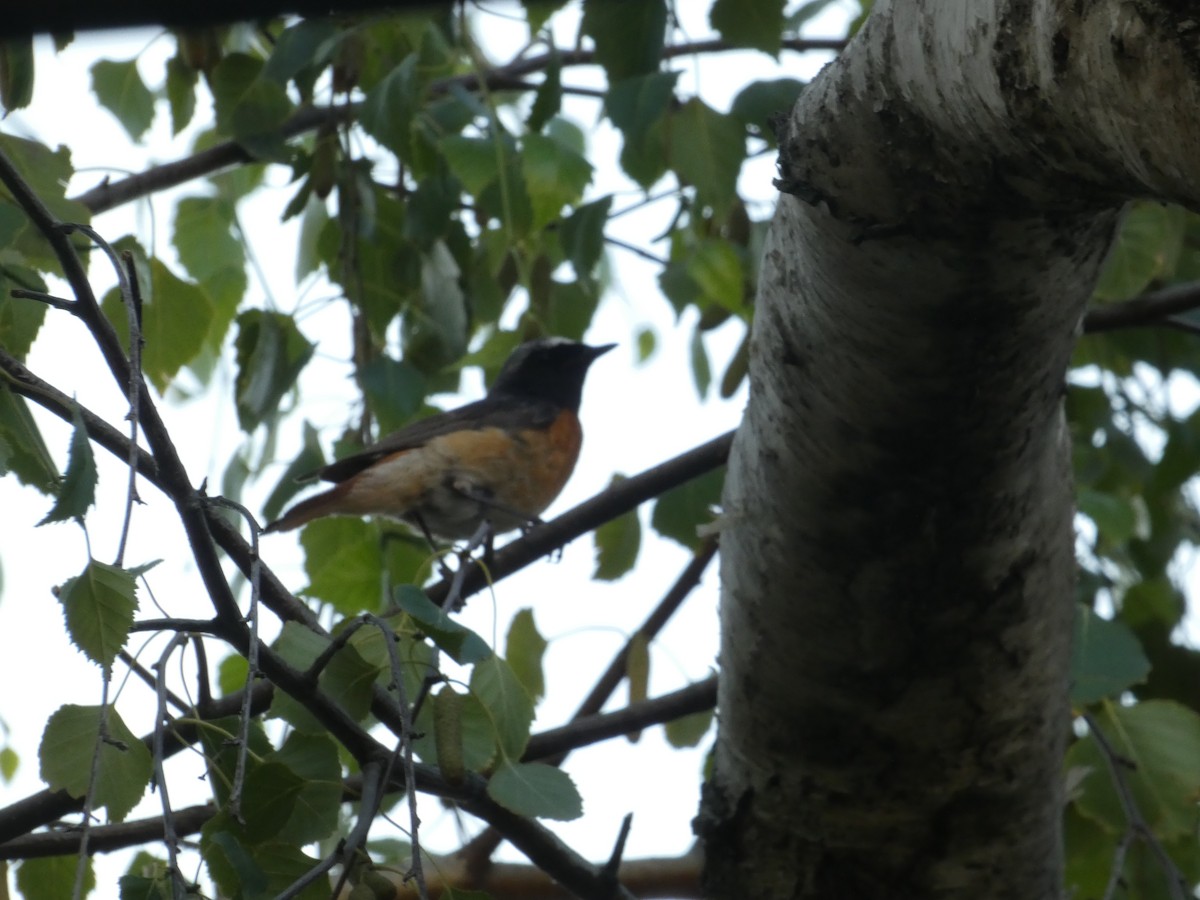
{"x":483,"y":536}
{"x":416,"y":516}
{"x":484,"y":499}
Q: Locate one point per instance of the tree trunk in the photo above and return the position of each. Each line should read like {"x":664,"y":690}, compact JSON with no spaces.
{"x":897,"y":543}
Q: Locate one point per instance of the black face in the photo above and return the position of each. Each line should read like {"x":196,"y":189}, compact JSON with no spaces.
{"x":550,"y":369}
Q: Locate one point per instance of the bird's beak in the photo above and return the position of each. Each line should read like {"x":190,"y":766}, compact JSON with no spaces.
{"x":598,"y":351}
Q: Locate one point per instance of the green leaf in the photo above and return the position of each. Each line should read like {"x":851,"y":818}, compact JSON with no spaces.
{"x":1114,"y":516}
{"x":688,"y":731}
{"x":389,"y":107}
{"x":682,"y":510}
{"x":707,"y":149}
{"x":538,"y":13}
{"x":395,"y":391}
{"x":617,"y":543}
{"x":434,"y":334}
{"x":20,"y":320}
{"x":309,"y":459}
{"x":22,"y":449}
{"x":255,"y":871}
{"x":524,"y":649}
{"x":347,"y":678}
{"x":230,"y":864}
{"x":69,"y":744}
{"x":47,"y":173}
{"x":582,"y":235}
{"x":204,"y":239}
{"x":308,"y":252}
{"x":701,"y":370}
{"x":760,"y":101}
{"x":1106,"y":658}
{"x":268,"y":800}
{"x":78,"y":491}
{"x":759,"y":24}
{"x":1158,"y":743}
{"x":474,"y":161}
{"x":647,"y":343}
{"x":16,"y":73}
{"x":10,"y":761}
{"x":53,"y":878}
{"x":717,"y":270}
{"x":387,"y":281}
{"x":431,"y":209}
{"x":507,"y":703}
{"x":271,"y":352}
{"x":176,"y":319}
{"x":628,"y":34}
{"x":639,"y":108}
{"x":98,"y":605}
{"x":147,"y":878}
{"x":231,"y":674}
{"x":343,"y":562}
{"x":120,"y":90}
{"x":221,"y":749}
{"x":249,"y":108}
{"x":181,"y":93}
{"x":535,"y":789}
{"x":307,"y":45}
{"x":1146,"y":248}
{"x":460,"y":643}
{"x":1180,"y":457}
{"x":555,"y":176}
{"x":571,"y":308}
{"x":548,"y":100}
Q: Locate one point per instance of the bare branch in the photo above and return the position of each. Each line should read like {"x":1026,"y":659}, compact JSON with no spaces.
{"x":555,"y":743}
{"x":1151,"y":308}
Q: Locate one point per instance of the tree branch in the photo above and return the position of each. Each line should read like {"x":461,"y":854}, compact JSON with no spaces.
{"x":1149,"y":309}
{"x":477,"y":853}
{"x":110,"y":194}
{"x":555,"y":743}
{"x":585,"y":517}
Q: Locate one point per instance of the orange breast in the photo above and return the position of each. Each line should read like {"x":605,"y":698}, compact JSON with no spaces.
{"x":521,"y":472}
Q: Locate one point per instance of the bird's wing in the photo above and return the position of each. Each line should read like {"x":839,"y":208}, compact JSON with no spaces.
{"x":490,"y":412}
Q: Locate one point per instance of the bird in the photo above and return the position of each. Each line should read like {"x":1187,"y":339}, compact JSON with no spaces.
{"x":491,"y":466}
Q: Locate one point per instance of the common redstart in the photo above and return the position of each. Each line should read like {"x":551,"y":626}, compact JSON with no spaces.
{"x":500,"y":460}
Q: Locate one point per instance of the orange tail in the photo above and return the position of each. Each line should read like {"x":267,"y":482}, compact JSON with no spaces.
{"x":323,"y":504}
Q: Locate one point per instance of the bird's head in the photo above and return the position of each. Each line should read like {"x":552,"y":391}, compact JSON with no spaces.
{"x":548,"y":369}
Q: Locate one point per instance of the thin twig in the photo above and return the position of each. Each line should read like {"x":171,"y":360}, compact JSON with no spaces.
{"x":614,"y":860}
{"x":404,"y":749}
{"x":170,"y":838}
{"x":48,"y":299}
{"x":1177,"y":884}
{"x":131,"y":298}
{"x":133,"y":308}
{"x":239,"y":772}
{"x":141,"y":672}
{"x":81,"y":864}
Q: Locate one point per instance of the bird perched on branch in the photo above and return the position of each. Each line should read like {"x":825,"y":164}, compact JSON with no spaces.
{"x":490,"y":465}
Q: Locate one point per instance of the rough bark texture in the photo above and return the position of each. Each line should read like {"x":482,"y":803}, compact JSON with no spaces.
{"x":897,"y":550}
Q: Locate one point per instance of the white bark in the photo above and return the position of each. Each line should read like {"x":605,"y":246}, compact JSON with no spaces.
{"x":897,"y":552}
